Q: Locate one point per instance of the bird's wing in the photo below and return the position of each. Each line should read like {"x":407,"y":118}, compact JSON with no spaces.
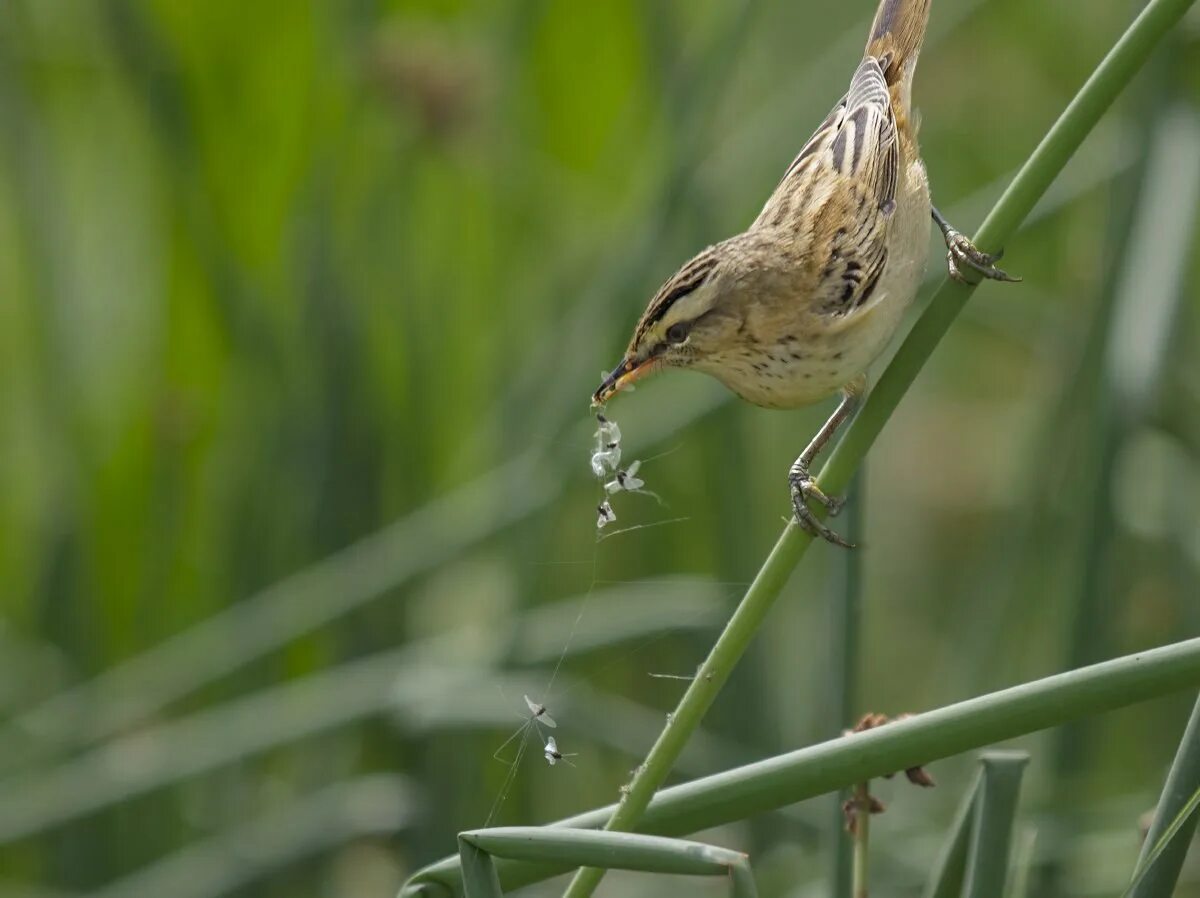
{"x":839,"y":193}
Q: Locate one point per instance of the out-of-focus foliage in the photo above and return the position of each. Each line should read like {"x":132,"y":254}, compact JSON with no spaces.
{"x":276,"y":276}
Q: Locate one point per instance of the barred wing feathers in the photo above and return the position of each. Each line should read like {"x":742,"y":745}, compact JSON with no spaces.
{"x":842,"y":186}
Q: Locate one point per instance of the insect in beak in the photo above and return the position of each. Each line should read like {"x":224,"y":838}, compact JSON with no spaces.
{"x":621,"y":378}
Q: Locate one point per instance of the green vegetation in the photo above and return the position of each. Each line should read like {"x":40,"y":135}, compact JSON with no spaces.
{"x":301,"y":308}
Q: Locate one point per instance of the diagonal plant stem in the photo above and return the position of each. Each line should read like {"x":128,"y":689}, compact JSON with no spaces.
{"x":929,"y":736}
{"x":844,"y":641}
{"x":1163,"y":852}
{"x":1031,"y":182}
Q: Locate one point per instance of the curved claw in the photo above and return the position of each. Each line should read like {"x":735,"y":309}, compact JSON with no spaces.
{"x":805,"y":488}
{"x":962,"y":252}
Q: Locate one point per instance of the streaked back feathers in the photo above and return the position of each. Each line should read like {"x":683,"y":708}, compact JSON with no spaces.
{"x":839,"y":195}
{"x":802,"y":301}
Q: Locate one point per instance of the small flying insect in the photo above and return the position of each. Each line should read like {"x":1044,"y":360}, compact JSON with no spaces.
{"x":626,"y":479}
{"x":553,"y":755}
{"x":605,"y":515}
{"x":627,"y":388}
{"x":608,"y":432}
{"x":539,"y":713}
{"x":606,"y":458}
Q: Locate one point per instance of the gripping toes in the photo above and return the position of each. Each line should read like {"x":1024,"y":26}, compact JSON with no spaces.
{"x":962,"y":252}
{"x":805,"y":488}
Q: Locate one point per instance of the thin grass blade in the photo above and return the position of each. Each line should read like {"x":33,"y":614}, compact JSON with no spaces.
{"x":1167,"y":845}
{"x":951,"y":865}
{"x":992,"y":827}
{"x":479,"y":871}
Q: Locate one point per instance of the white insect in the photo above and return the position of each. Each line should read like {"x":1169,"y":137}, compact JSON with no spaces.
{"x":604,"y":515}
{"x":553,"y":755}
{"x":539,"y":713}
{"x":608,"y":432}
{"x":628,"y":388}
{"x":606,"y":458}
{"x":626,"y":479}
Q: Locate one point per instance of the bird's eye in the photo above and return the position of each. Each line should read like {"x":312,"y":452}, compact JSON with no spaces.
{"x":677,"y":332}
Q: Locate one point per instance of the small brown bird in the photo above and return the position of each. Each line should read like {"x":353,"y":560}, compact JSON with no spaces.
{"x":797,"y":307}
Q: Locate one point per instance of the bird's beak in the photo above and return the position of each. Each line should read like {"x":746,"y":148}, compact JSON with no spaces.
{"x":622,"y":376}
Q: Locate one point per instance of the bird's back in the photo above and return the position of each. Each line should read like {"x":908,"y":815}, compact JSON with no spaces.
{"x":851,"y":216}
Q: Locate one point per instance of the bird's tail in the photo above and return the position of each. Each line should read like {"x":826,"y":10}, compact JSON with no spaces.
{"x":895,"y":41}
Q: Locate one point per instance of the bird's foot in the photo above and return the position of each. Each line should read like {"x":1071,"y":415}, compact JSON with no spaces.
{"x":805,"y":488}
{"x":961,"y":253}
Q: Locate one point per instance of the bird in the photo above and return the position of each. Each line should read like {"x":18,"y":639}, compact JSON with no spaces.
{"x":795,"y":308}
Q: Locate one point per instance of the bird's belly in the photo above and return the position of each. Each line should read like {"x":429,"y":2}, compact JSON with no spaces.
{"x":815,"y":356}
{"x":791,"y":374}
{"x":807,"y":357}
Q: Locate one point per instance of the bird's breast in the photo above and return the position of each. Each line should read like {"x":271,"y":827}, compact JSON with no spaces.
{"x":790,"y":353}
{"x":794,"y":371}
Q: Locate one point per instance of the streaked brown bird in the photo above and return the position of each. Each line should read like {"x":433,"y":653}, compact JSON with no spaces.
{"x":797,"y":307}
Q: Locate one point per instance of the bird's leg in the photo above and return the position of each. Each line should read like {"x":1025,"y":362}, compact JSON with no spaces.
{"x":960,"y":251}
{"x":800,"y":480}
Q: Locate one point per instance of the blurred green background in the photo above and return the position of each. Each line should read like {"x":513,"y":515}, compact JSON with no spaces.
{"x":300,"y":308}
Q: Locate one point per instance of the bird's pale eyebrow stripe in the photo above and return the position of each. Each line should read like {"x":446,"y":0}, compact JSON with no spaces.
{"x":689,"y":278}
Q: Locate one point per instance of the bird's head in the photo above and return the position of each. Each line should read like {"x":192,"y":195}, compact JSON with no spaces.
{"x":695,"y":315}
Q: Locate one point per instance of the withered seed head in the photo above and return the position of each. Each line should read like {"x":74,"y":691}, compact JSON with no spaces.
{"x":851,"y":810}
{"x":918,"y":776}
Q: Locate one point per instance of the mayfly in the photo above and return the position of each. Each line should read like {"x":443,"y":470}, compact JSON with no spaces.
{"x":553,"y":755}
{"x":604,"y":514}
{"x":606,"y":458}
{"x":539,"y":713}
{"x":626,"y":479}
{"x":608,"y":431}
